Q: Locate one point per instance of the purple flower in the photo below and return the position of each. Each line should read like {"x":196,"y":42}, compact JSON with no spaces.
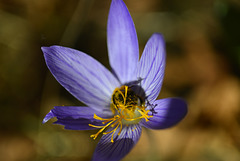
{"x":120,"y":102}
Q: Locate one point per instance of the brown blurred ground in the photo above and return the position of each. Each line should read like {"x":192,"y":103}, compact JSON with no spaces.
{"x":203,"y":67}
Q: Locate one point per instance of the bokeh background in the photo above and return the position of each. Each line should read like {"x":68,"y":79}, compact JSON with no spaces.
{"x":203,"y":67}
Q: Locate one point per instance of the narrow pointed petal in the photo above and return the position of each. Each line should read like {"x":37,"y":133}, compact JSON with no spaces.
{"x":76,"y":117}
{"x":122,"y":42}
{"x":84,"y":77}
{"x":122,"y":145}
{"x":151,"y":67}
{"x":166,"y":113}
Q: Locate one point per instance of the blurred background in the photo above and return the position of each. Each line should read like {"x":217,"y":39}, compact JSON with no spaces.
{"x":203,"y":67}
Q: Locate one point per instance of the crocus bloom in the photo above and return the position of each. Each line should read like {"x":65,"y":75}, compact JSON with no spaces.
{"x":118,"y":103}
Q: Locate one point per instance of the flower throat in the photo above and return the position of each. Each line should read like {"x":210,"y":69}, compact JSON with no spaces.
{"x":127,"y":108}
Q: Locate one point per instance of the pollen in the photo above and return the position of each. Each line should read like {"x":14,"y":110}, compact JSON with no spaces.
{"x":127,"y":108}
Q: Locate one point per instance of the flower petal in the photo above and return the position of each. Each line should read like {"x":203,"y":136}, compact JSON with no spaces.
{"x":83,"y":76}
{"x":166,"y":113}
{"x":151,"y":67}
{"x":123,"y":143}
{"x":122,"y":42}
{"x":76,"y":117}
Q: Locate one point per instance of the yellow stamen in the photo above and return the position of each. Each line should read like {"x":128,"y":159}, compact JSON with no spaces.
{"x":94,"y":136}
{"x":144,"y":114}
{"x":114,"y":130}
{"x":125,"y":97}
{"x":126,"y":109}
{"x":99,"y":118}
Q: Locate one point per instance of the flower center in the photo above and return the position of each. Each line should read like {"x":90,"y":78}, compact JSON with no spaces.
{"x":127,"y":108}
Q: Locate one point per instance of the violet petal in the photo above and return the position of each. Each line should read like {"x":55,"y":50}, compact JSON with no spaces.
{"x":166,"y":113}
{"x":151,"y":67}
{"x":84,"y":77}
{"x":122,"y":145}
{"x":76,"y":117}
{"x":122,"y":42}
